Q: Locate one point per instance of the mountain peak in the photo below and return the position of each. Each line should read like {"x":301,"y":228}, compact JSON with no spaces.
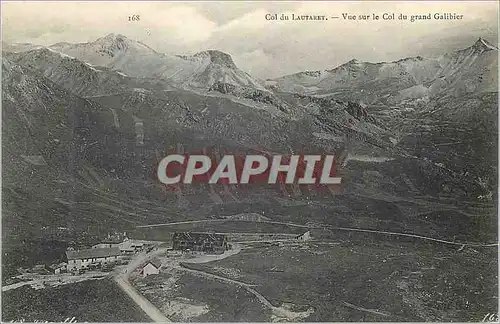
{"x":483,"y":45}
{"x":410,"y":59}
{"x":114,"y":42}
{"x":218,"y":57}
{"x":115,"y":36}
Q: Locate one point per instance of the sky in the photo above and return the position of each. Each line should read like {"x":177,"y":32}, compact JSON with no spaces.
{"x":263,"y":48}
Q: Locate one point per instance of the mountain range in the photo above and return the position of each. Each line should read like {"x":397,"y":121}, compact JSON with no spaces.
{"x":138,"y":60}
{"x":469,"y":70}
{"x":84,"y":126}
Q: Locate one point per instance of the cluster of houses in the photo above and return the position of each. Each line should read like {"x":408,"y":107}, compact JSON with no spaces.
{"x":199,"y":242}
{"x":190,"y":242}
{"x":113,"y":250}
{"x":101,"y":256}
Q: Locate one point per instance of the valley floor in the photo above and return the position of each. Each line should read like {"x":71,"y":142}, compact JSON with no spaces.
{"x":350,"y":276}
{"x":339,"y":280}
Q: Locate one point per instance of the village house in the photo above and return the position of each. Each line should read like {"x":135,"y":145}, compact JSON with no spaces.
{"x":126,"y":245}
{"x":58,"y":268}
{"x":40,"y":269}
{"x":304,"y":237}
{"x":85,"y":259}
{"x":111,"y":241}
{"x":151,"y":268}
{"x":199,"y":242}
{"x":130,"y":246}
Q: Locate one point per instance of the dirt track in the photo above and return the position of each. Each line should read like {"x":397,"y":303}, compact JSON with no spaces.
{"x":42,"y":281}
{"x":279,"y":311}
{"x":154,"y":313}
{"x":122,"y":280}
{"x":221,"y":221}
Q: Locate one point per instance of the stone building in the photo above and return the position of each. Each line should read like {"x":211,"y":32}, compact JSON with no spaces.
{"x":88,"y":258}
{"x":199,"y":242}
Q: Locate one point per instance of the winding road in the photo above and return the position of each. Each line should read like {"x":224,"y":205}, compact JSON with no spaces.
{"x":122,"y":279}
{"x":280,"y":311}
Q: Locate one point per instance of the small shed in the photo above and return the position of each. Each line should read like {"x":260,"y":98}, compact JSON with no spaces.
{"x":58,"y":268}
{"x":130,"y":246}
{"x":150,"y":268}
{"x":304,"y":237}
{"x":40,"y":269}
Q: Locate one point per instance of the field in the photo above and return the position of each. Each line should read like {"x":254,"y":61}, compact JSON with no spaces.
{"x":184,"y":297}
{"x":88,"y":301}
{"x":358,"y":280}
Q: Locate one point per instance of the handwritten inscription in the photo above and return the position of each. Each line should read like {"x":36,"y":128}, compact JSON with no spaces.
{"x":67,"y":320}
{"x":491,"y":318}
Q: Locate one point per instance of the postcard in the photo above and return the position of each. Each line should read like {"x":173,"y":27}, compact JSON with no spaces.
{"x":249,"y":161}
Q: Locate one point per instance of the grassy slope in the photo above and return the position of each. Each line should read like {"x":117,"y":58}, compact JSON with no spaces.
{"x":225,"y":302}
{"x":407,"y":281}
{"x":88,"y":301}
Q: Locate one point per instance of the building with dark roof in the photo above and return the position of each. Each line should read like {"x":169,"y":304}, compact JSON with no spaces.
{"x":200,"y":242}
{"x":88,"y":258}
{"x":58,"y":268}
{"x":131,"y":246}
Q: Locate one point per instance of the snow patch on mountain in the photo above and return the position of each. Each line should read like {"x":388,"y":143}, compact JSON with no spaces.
{"x":37,"y":160}
{"x":61,"y":53}
{"x":483,"y":44}
{"x":328,"y":136}
{"x":93,"y":68}
{"x":367,"y":158}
